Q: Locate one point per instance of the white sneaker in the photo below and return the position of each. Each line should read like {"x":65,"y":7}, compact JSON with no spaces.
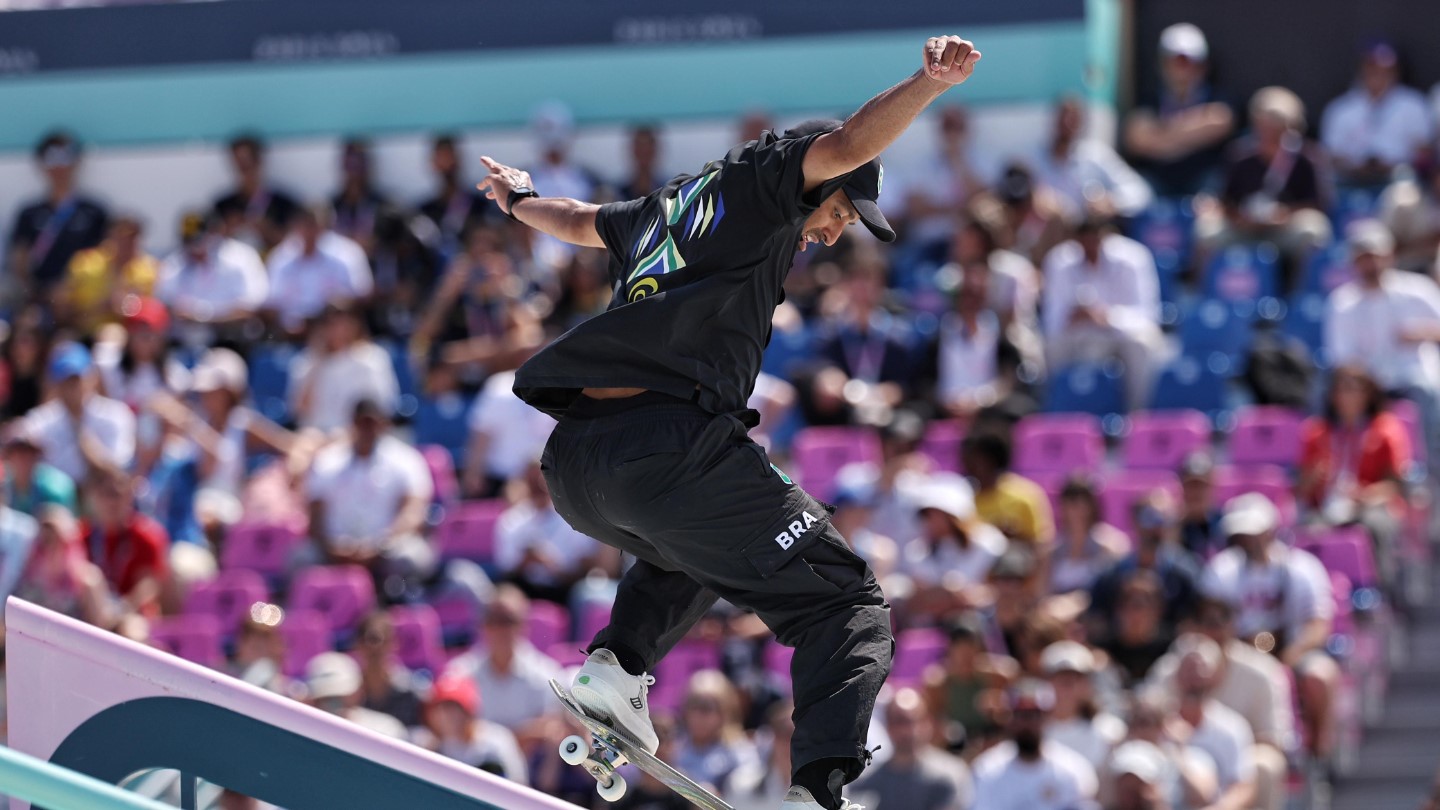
{"x":607,"y":692}
{"x":799,"y":798}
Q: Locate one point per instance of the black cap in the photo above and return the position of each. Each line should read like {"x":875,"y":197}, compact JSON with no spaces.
{"x":862,"y":186}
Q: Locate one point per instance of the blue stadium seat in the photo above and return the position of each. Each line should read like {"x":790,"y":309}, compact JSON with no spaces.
{"x":1187,"y":382}
{"x":1166,"y":227}
{"x":1326,"y":270}
{"x":1243,"y":273}
{"x":1093,"y":388}
{"x":443,"y":421}
{"x":270,"y":380}
{"x":1305,"y":321}
{"x":405,"y":376}
{"x":1352,"y":204}
{"x":788,"y":349}
{"x":1218,"y":334}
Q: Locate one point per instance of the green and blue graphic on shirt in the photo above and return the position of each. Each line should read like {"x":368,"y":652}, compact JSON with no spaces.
{"x":657,"y":252}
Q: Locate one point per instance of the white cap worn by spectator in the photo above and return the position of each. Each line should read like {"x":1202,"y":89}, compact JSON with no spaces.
{"x":332,"y":675}
{"x":1369,"y":236}
{"x":220,"y":370}
{"x":950,"y":494}
{"x":1185,"y":39}
{"x":1251,"y":514}
{"x":1281,"y":103}
{"x":1067,"y":656}
{"x":1142,"y":759}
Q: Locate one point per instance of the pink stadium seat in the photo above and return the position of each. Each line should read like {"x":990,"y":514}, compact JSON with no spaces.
{"x":672,"y":674}
{"x":915,"y":650}
{"x":1265,"y":434}
{"x":442,"y":472}
{"x":1124,"y":487}
{"x":342,"y":593}
{"x":942,"y":444}
{"x":549,"y":623}
{"x":417,"y":637}
{"x":227,"y":597}
{"x":468,"y":531}
{"x":1058,"y":442}
{"x":1160,"y":440}
{"x":820,"y":452}
{"x":1408,"y":412}
{"x":1346,"y":550}
{"x":1267,"y":479}
{"x":566,"y":654}
{"x":1052,"y":482}
{"x":458,"y":616}
{"x":263,"y":548}
{"x":594,"y":616}
{"x":306,"y":634}
{"x":778,"y":658}
{"x":1344,"y":621}
{"x":192,"y":637}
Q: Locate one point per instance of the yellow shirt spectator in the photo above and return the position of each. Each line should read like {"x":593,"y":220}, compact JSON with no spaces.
{"x":99,"y":278}
{"x":1018,"y":507}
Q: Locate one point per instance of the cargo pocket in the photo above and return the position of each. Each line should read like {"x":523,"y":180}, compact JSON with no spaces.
{"x":799,"y":527}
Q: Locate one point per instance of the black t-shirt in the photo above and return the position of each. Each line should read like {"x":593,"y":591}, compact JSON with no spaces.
{"x":55,"y":234}
{"x":274,"y":206}
{"x":1188,"y":173}
{"x":1297,"y":181}
{"x":696,"y":268}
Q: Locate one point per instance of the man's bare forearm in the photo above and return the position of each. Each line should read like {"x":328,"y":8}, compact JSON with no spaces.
{"x":882,"y":119}
{"x":561,"y":217}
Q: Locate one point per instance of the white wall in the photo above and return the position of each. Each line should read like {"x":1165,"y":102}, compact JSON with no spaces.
{"x":160,"y":182}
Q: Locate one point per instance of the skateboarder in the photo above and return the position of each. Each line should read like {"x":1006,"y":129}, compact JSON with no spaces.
{"x":651,"y":453}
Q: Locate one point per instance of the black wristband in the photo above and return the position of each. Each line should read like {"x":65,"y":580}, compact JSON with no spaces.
{"x":516,"y":195}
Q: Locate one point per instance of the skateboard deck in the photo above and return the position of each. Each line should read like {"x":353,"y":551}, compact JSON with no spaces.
{"x":609,"y":749}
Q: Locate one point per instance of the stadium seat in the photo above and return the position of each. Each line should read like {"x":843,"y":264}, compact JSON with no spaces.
{"x":778,"y":658}
{"x":549,"y":624}
{"x":942,"y":444}
{"x":788,"y":350}
{"x":227,"y":598}
{"x":442,"y":473}
{"x":458,"y":616}
{"x":1346,"y":550}
{"x":672,"y":674}
{"x":270,"y":380}
{"x":594,"y":616}
{"x":915,"y":650}
{"x":1166,"y":227}
{"x":468,"y":531}
{"x":404,"y":377}
{"x":1123,"y":487}
{"x":306,"y":634}
{"x":1162,"y":439}
{"x":417,"y":637}
{"x":1243,"y":273}
{"x":1326,"y":270}
{"x":1265,"y":434}
{"x":1189,"y":382}
{"x":1305,"y":321}
{"x":341,"y":593}
{"x":1407,"y":411}
{"x":1218,"y":334}
{"x":1353,"y":204}
{"x":264,"y":548}
{"x":820,"y":452}
{"x":195,"y":638}
{"x":1268,"y":479}
{"x":566,"y":654}
{"x":1093,"y":388}
{"x":444,"y":421}
{"x":1058,"y":443}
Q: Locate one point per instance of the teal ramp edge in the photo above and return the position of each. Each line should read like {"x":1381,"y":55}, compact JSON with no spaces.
{"x":47,"y":785}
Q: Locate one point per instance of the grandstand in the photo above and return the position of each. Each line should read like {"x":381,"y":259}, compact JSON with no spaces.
{"x":260,"y":337}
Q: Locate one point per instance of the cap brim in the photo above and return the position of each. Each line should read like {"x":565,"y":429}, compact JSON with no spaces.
{"x":874,"y":220}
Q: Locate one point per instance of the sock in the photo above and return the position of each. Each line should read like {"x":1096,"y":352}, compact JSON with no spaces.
{"x":630,"y":661}
{"x":824,"y":778}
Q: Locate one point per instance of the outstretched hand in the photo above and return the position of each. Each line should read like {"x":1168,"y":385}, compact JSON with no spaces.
{"x":950,"y":59}
{"x":501,"y":181}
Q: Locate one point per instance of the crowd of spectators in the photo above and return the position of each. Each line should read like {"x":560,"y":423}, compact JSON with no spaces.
{"x":1136,"y":660}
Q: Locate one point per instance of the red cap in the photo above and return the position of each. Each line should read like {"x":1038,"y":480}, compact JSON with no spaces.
{"x":457,"y":689}
{"x":146,"y":312}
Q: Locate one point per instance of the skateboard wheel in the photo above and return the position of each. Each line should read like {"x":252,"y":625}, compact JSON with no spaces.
{"x":573,"y":750}
{"x":613,"y":791}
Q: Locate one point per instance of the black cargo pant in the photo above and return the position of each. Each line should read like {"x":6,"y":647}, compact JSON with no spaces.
{"x":698,"y":503}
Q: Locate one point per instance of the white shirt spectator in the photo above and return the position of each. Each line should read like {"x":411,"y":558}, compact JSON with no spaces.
{"x":1253,"y":684}
{"x":940,"y":186}
{"x":301,"y":285}
{"x":517,"y":698}
{"x":1123,"y":281}
{"x":523,"y":527}
{"x":336,"y":382}
{"x":492,"y":747}
{"x":136,"y":387}
{"x":1363,"y":326}
{"x":1092,"y":165}
{"x":968,"y":363}
{"x":1091,"y":739}
{"x":1277,"y":596}
{"x":362,"y":496}
{"x":942,"y":565}
{"x":230,"y":281}
{"x":1391,"y":129}
{"x":515,"y":431}
{"x":1226,"y":737}
{"x":17,"y":537}
{"x":111,"y":423}
{"x":1059,"y":780}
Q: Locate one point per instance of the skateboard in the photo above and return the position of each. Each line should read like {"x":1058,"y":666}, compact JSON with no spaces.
{"x":608,"y":749}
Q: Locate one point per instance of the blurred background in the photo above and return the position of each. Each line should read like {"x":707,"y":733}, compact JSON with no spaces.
{"x":1137,"y":421}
